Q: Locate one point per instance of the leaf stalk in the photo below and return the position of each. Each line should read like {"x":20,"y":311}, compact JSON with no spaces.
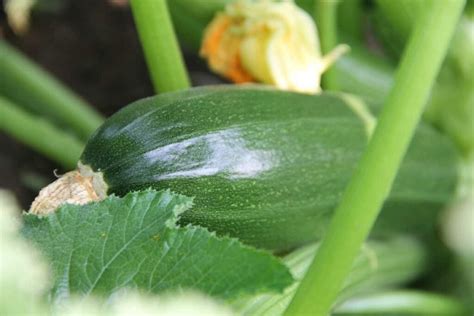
{"x":29,"y":86}
{"x":39,"y":134}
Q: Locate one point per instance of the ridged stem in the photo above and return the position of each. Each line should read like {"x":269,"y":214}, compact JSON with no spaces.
{"x":162,"y":53}
{"x":372,"y":180}
{"x":39,"y":134}
{"x":29,"y":86}
{"x":325,"y":16}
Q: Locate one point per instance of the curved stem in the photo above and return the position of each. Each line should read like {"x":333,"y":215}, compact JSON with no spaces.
{"x":162,"y":53}
{"x":39,"y":134}
{"x":378,"y":167}
{"x":27,"y":84}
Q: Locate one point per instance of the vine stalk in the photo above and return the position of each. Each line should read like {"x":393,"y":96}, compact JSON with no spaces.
{"x":160,"y":46}
{"x":372,"y":180}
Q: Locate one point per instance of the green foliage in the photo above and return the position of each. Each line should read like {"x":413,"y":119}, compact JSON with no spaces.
{"x":24,"y":280}
{"x":134,"y":242}
{"x":373,"y":177}
{"x":452,"y":103}
{"x":39,"y":134}
{"x":27,"y":84}
{"x":451,"y":107}
{"x":380,"y":264}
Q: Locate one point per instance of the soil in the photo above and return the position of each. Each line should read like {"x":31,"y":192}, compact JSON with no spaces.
{"x":92,"y":47}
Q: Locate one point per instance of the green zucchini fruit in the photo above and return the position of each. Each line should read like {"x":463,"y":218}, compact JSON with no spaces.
{"x":263,"y":165}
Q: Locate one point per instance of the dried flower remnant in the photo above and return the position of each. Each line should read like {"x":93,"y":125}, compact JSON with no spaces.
{"x":270,"y":42}
{"x":80,"y":186}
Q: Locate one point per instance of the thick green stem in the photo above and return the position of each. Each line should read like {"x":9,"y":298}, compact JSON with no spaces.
{"x":162,"y":53}
{"x":39,"y":134}
{"x":376,"y":171}
{"x":326,"y":19}
{"x":30,"y":86}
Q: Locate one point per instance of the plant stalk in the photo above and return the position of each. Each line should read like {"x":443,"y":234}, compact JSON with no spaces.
{"x":325,"y":16}
{"x":39,"y":134}
{"x":372,"y":180}
{"x":29,"y":86}
{"x":162,"y":53}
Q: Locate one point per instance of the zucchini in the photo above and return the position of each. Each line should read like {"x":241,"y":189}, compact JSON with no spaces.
{"x":263,"y":165}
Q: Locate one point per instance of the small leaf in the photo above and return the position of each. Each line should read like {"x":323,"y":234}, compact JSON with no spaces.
{"x":134,"y":242}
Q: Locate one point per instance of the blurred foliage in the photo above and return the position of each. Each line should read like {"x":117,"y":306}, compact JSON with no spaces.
{"x":25,"y":280}
{"x":451,"y":107}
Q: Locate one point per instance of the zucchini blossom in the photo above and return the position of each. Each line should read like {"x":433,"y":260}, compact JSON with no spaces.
{"x":266,"y":41}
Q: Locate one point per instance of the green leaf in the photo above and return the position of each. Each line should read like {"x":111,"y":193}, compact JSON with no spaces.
{"x":134,"y":242}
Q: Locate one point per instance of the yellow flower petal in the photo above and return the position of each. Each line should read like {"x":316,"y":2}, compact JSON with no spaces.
{"x":222,"y":50}
{"x":267,"y":41}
